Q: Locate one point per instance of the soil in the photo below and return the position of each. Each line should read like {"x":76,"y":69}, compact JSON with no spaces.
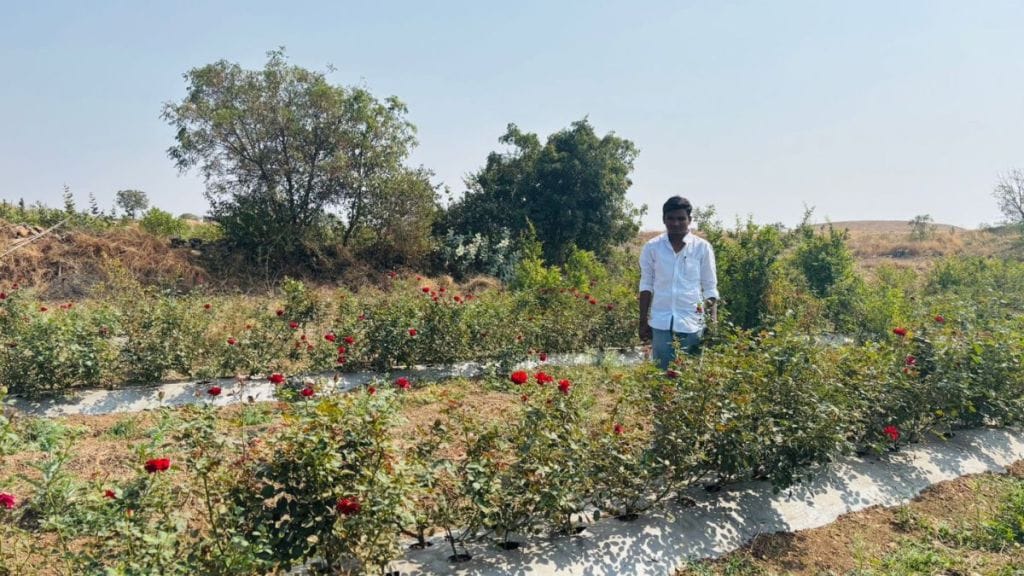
{"x":860,"y":539}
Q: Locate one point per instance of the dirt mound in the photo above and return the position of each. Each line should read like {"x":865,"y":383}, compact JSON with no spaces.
{"x":68,"y":264}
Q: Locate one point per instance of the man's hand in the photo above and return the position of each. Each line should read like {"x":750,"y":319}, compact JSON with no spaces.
{"x":645,"y":332}
{"x":711,"y":305}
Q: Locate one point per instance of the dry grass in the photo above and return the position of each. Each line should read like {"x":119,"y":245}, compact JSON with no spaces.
{"x":67,"y":265}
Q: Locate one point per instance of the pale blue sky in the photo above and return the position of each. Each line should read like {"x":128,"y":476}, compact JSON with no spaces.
{"x":865,"y":110}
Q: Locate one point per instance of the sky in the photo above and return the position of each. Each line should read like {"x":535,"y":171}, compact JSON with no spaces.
{"x":879,"y":110}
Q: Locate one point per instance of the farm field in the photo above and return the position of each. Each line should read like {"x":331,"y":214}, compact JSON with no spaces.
{"x":813,"y":359}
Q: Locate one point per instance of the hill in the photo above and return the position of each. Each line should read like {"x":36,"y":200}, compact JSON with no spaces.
{"x":878,"y":242}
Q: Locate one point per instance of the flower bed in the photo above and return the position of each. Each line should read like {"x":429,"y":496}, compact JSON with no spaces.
{"x":339,"y":478}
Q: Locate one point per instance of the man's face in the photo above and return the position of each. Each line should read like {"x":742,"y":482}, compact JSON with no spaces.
{"x":677,"y":222}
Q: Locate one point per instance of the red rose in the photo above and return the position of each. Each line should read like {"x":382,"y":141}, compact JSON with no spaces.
{"x":307,"y":392}
{"x":341,"y":349}
{"x":350,"y":340}
{"x":412,"y":332}
{"x":543,"y":356}
{"x":232,"y":341}
{"x":910,"y":361}
{"x":519,"y":377}
{"x":303,"y":337}
{"x":214,"y":391}
{"x":341,"y":360}
{"x":276,"y":378}
{"x":458,"y":298}
{"x":207,"y":306}
{"x":593,"y":301}
{"x":7,"y":500}
{"x":402,"y":382}
{"x":293,"y":325}
{"x":157,"y":465}
{"x":892,"y":432}
{"x":543,"y":377}
{"x":3,"y":296}
{"x":330,"y":337}
{"x":939,"y":318}
{"x":899,"y":331}
{"x":279,"y":312}
{"x":371,"y":390}
{"x":426,"y":289}
{"x":43,"y":308}
{"x":248,"y":326}
{"x":618,"y":429}
{"x":348,"y":506}
{"x":563,"y":386}
{"x":109,"y":494}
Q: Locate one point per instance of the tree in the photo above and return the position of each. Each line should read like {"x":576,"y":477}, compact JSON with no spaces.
{"x":132,"y":202}
{"x":572,"y":190}
{"x":399,"y":218}
{"x":1009,"y":193}
{"x":921,"y":227}
{"x":280,"y":147}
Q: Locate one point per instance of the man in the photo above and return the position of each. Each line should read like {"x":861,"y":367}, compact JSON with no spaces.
{"x":677,"y":283}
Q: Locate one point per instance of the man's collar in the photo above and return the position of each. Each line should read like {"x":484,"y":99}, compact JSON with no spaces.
{"x":686,"y":238}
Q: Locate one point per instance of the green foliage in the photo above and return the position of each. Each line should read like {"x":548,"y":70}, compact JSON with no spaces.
{"x":572,"y":190}
{"x":582,"y":269}
{"x":532,"y":273}
{"x":824,"y":259}
{"x":553,"y":451}
{"x":38,"y":214}
{"x":399,"y":219}
{"x":281,"y":146}
{"x":163,"y":224}
{"x":333,"y":449}
{"x":746,"y":267}
{"x":630,"y":474}
{"x":1006,"y":530}
{"x":162,"y":337}
{"x":826,"y":266}
{"x":921,"y":227}
{"x":46,"y":351}
{"x":495,"y":255}
{"x":131,"y":202}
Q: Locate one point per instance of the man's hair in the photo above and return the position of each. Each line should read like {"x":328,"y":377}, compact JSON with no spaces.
{"x":677,"y":203}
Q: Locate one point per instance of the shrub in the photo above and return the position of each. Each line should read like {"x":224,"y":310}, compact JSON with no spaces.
{"x":159,"y":223}
{"x":332,"y":486}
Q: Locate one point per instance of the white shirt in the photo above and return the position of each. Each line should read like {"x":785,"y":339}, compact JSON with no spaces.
{"x":680,"y":282}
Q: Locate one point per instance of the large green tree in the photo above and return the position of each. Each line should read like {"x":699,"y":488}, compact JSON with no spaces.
{"x":572,"y":190}
{"x":282,"y":150}
{"x":132,"y":202}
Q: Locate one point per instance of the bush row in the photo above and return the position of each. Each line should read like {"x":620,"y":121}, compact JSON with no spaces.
{"x":130,"y":334}
{"x":339,"y":478}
